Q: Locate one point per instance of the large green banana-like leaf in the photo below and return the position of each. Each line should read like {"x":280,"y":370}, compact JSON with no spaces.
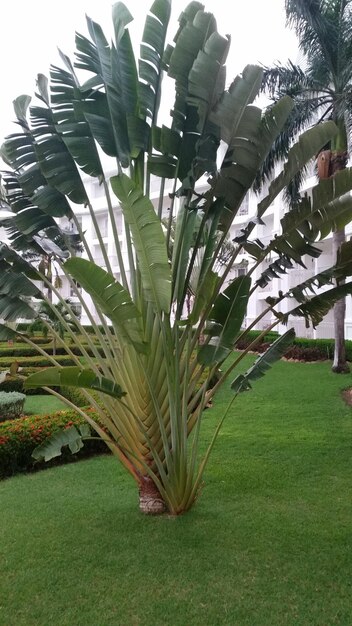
{"x":226,"y":318}
{"x":52,"y":447}
{"x":30,"y":181}
{"x":206,"y":80}
{"x":183,"y":240}
{"x":167,"y":143}
{"x":7,"y":333}
{"x":113,"y":115}
{"x":196,"y":27}
{"x":82,"y":378}
{"x":151,"y":53}
{"x":111,"y":297}
{"x":68,"y":113}
{"x":121,"y":17}
{"x":13,"y":308}
{"x":249,"y":140}
{"x":17,"y":263}
{"x":314,"y":310}
{"x":308,"y":145}
{"x":123,"y":65}
{"x":229,"y":110}
{"x":264,"y":362}
{"x":302,"y":291}
{"x":21,"y":104}
{"x":149,"y":241}
{"x":15,"y":284}
{"x":307,"y":221}
{"x":43,"y":201}
{"x":206,"y":83}
{"x":105,"y":114}
{"x":56,"y":163}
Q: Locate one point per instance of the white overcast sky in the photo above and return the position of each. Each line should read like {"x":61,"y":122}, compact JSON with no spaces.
{"x":31,"y":31}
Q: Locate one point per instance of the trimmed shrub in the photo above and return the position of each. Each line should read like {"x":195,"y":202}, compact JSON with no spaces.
{"x":11,"y":405}
{"x":11,"y":384}
{"x":24,"y":350}
{"x":74,"y":395}
{"x":22,"y":327}
{"x":268,"y":338}
{"x":18,"y":439}
{"x":34,"y":361}
{"x":302,"y":349}
{"x":305,"y":354}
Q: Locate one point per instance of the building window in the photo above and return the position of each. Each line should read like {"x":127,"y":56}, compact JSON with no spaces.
{"x":241,"y":269}
{"x":98,"y":254}
{"x":103,"y":224}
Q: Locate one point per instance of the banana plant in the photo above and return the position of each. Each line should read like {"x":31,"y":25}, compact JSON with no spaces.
{"x":158,"y":356}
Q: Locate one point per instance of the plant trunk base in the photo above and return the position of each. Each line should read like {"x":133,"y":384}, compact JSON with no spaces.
{"x":341,"y":369}
{"x":150,"y":500}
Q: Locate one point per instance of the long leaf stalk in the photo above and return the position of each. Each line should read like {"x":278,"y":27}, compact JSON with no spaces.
{"x":107,"y":347}
{"x":205,"y":459}
{"x":99,"y":237}
{"x":193,"y":259}
{"x":171,"y":211}
{"x":57,"y":314}
{"x":159,"y":417}
{"x":108,"y":343}
{"x":177,"y":248}
{"x":115,"y":235}
{"x":82,"y":237}
{"x":207,"y":309}
{"x":257,"y":320}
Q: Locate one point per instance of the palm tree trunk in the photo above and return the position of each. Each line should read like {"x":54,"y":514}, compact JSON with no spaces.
{"x":150,"y":499}
{"x":340,"y":365}
{"x":338,"y":162}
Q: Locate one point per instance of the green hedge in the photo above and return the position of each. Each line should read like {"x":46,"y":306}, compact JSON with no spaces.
{"x":301,"y":348}
{"x":25,"y":350}
{"x":34,"y":361}
{"x":18,"y":342}
{"x":269,"y":337}
{"x":19,"y":437}
{"x":15,"y":384}
{"x":88,"y":328}
{"x":325,"y":346}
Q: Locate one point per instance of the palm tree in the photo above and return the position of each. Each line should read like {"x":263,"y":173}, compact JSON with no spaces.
{"x":144,"y":371}
{"x":321,"y":90}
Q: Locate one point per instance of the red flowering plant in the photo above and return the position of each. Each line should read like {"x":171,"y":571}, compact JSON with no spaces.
{"x":18,"y":439}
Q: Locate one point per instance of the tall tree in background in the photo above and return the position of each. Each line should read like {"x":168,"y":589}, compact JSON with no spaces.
{"x":321,"y":90}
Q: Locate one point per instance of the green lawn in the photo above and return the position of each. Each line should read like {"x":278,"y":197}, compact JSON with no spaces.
{"x":40,"y":405}
{"x":269,"y":542}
